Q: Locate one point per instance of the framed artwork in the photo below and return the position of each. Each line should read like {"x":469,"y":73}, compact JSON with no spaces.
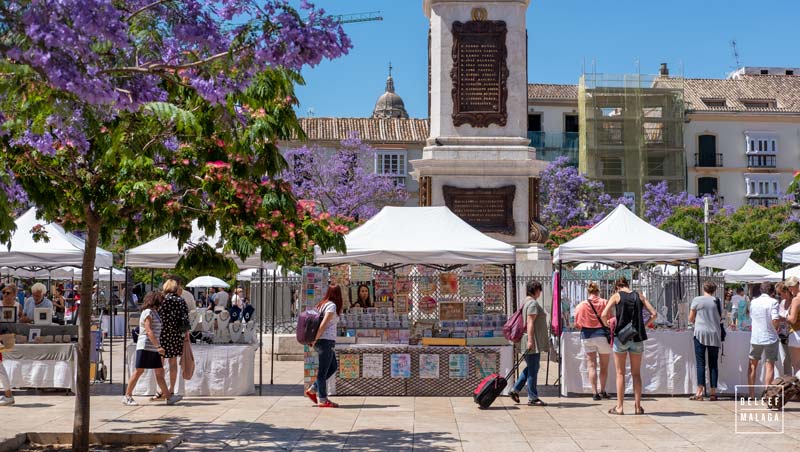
{"x":401,"y":365}
{"x":451,"y":310}
{"x":427,"y":305}
{"x":448,"y":283}
{"x":8,"y":314}
{"x":42,"y":316}
{"x":458,"y":366}
{"x":362,"y":295}
{"x":34,"y":334}
{"x":349,"y":366}
{"x":428,"y":366}
{"x":372,"y":366}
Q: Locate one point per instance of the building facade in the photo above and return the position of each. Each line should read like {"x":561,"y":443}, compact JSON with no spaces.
{"x":553,"y":121}
{"x":742,"y":135}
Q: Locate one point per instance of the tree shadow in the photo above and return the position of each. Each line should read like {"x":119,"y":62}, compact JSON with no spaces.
{"x":261,"y":436}
{"x":32,"y":405}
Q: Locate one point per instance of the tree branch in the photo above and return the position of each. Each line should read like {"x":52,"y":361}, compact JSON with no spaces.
{"x":145,"y":8}
{"x":160,"y":67}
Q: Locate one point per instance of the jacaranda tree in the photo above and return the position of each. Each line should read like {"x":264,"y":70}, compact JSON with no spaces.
{"x":124,"y":117}
{"x":660,"y":203}
{"x":571,"y":199}
{"x":341,"y":180}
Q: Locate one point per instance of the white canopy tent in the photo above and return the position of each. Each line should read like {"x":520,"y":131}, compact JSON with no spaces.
{"x":248,"y":274}
{"x":62,"y":249}
{"x":778,"y":276}
{"x":733,"y":260}
{"x":164,"y":252}
{"x":418,"y":235}
{"x":752,"y":272}
{"x":791,"y":254}
{"x":103,"y":275}
{"x":624,"y":237}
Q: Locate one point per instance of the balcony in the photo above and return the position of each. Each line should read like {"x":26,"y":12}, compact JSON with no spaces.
{"x":708,"y":160}
{"x":762,"y":201}
{"x":762,"y":161}
{"x":550,"y":146}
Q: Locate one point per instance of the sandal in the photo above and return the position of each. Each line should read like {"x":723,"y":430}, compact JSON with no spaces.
{"x":699,"y":398}
{"x":159,"y":397}
{"x":514,"y":396}
{"x":639,"y":410}
{"x":712,"y":398}
{"x":537,"y":402}
{"x":614,"y":411}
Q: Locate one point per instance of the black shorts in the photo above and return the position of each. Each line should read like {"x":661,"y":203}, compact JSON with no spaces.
{"x":145,"y":359}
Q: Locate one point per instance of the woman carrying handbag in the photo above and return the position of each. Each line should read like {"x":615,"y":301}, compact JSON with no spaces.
{"x":629,"y":337}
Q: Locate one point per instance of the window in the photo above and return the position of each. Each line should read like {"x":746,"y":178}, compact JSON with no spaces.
{"x":611,"y":166}
{"x":707,"y":152}
{"x":761,"y":142}
{"x":752,"y":104}
{"x":571,"y":124}
{"x":789,"y":72}
{"x":706,"y":186}
{"x":764,"y":72}
{"x":655,"y":166}
{"x":715,"y":103}
{"x":391,"y":163}
{"x":761,"y":185}
{"x":535,"y":122}
{"x":611,"y":133}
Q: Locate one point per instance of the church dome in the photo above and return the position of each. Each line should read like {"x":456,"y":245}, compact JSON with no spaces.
{"x":390,"y":105}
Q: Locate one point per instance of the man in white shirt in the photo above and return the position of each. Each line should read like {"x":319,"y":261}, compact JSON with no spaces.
{"x":238,"y":298}
{"x":764,"y":339}
{"x":36,"y":300}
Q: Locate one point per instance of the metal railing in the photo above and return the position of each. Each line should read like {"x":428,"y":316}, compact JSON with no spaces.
{"x":707,"y":160}
{"x":762,"y":201}
{"x":554,"y":140}
{"x":762,"y":161}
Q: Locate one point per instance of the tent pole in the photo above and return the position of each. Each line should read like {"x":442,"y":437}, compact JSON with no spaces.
{"x":272,"y":355}
{"x":261,"y":332}
{"x":125,"y":332}
{"x":111,"y":319}
{"x":699,"y":290}
{"x":558,"y":339}
{"x":783,"y":270}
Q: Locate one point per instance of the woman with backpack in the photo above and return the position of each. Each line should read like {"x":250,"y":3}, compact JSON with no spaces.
{"x":595,"y":338}
{"x":330,"y":308}
{"x":629,"y":337}
{"x":536,"y":341}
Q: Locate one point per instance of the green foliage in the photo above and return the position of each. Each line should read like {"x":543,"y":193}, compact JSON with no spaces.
{"x":765,"y":230}
{"x":560,"y":236}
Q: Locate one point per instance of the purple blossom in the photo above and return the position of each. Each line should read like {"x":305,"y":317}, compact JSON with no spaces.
{"x":660,"y":203}
{"x":341,"y":180}
{"x":571,"y":199}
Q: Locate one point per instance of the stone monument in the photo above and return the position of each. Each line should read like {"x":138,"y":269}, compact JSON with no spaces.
{"x":477,"y":160}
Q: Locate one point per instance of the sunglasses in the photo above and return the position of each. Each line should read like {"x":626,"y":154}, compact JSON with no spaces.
{"x":7,"y":292}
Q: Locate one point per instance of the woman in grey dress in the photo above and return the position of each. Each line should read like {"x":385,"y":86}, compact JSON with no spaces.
{"x":705,"y":314}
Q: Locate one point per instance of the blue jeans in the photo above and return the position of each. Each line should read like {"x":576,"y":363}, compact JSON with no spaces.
{"x":328,"y":365}
{"x":529,"y":375}
{"x":700,"y":361}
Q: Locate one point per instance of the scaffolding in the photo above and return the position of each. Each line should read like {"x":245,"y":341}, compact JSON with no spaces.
{"x":631,"y":132}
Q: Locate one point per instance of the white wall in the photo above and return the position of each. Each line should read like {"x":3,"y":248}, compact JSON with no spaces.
{"x":552,"y":116}
{"x":730,"y":133}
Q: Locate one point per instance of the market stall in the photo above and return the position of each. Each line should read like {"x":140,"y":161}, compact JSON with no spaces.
{"x":752,"y":272}
{"x":220,"y":370}
{"x":621,"y":238}
{"x":668,"y":365}
{"x":426,"y":297}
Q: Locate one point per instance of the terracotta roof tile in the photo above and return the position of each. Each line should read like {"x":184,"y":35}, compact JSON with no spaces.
{"x":552,"y":91}
{"x":371,"y":130}
{"x":782,"y":91}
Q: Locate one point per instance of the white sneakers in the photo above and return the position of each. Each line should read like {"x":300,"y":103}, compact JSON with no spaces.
{"x":6,"y":401}
{"x":173,"y":399}
{"x":128,"y":401}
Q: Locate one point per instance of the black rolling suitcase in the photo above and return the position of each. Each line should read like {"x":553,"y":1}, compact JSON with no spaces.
{"x":492,"y":386}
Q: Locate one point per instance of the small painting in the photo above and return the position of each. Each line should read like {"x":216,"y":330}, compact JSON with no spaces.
{"x":8,"y":314}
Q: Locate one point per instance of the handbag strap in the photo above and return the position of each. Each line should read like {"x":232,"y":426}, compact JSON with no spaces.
{"x":603,"y":325}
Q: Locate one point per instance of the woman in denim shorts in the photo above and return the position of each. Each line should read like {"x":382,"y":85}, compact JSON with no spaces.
{"x":628,"y":306}
{"x":593,"y":338}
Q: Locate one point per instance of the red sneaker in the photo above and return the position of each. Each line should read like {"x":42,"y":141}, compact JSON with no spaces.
{"x":311,"y":395}
{"x":328,"y":404}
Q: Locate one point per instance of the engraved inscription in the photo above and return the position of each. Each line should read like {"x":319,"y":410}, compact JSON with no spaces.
{"x":485,"y":209}
{"x":479,"y":73}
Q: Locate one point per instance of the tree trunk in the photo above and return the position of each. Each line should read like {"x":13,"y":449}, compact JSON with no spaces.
{"x":80,"y":429}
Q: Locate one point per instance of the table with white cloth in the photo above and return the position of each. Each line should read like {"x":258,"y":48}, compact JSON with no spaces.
{"x":220,"y":370}
{"x":668,"y":365}
{"x":119,"y":324}
{"x":41,"y":366}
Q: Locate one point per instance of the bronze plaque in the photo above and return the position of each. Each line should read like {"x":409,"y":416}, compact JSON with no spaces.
{"x":479,"y":73}
{"x":485,"y":209}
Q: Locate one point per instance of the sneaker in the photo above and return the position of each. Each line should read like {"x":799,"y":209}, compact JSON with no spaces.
{"x":128,"y":401}
{"x":597,"y":397}
{"x":173,"y":399}
{"x":6,"y":401}
{"x":311,"y":395}
{"x":514,"y":396}
{"x":605,"y":395}
{"x":328,"y":404}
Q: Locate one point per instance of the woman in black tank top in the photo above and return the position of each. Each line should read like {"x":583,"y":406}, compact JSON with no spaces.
{"x":628,"y":306}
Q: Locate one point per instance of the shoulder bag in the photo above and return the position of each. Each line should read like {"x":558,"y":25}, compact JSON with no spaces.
{"x":722,"y":332}
{"x":629,"y":332}
{"x":606,"y":330}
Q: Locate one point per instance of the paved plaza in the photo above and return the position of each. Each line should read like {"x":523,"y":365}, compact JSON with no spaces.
{"x":282,"y":419}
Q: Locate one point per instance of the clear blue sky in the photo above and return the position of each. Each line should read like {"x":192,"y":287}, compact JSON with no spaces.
{"x":563,"y":34}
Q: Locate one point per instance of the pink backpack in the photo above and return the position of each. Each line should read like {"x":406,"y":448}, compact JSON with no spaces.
{"x":515,"y":326}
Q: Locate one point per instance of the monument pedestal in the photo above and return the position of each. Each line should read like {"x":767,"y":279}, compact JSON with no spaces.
{"x":477,"y":160}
